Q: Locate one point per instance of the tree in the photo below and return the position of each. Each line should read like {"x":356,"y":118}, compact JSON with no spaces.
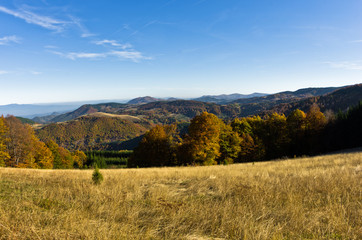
{"x":315,"y":119}
{"x":157,"y":148}
{"x":229,"y":145}
{"x":19,"y":142}
{"x":296,"y":125}
{"x":42,"y":155}
{"x":79,"y":158}
{"x":201,"y":145}
{"x":252,"y":149}
{"x":4,"y":155}
{"x":97,"y":176}
{"x":315,"y":123}
{"x":62,"y":157}
{"x":275,"y":136}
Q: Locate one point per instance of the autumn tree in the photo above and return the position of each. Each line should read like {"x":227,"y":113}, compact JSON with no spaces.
{"x":275,"y":136}
{"x":315,"y":123}
{"x":157,"y":148}
{"x":201,"y":145}
{"x":4,"y":155}
{"x":296,"y":125}
{"x":315,"y":119}
{"x":19,"y":142}
{"x":24,"y":148}
{"x":62,"y":157}
{"x":79,"y":158}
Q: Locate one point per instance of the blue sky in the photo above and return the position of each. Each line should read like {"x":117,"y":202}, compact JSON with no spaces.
{"x":76,"y":50}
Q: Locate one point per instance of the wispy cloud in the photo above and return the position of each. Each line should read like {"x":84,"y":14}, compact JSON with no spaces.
{"x":113,"y":43}
{"x":58,"y":25}
{"x":9,"y":39}
{"x":33,"y":18}
{"x":3,"y":72}
{"x":77,"y":55}
{"x":50,"y":47}
{"x":86,"y":35}
{"x":135,"y":56}
{"x":347,"y":65}
{"x":132,"y":55}
{"x":356,"y":41}
{"x":35,"y":72}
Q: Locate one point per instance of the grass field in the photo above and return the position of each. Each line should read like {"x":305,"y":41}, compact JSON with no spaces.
{"x":305,"y":198}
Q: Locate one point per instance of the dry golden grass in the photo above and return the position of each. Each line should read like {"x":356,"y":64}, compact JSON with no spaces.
{"x":307,"y":198}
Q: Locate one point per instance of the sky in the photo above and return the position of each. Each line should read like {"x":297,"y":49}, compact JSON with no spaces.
{"x":77,"y":50}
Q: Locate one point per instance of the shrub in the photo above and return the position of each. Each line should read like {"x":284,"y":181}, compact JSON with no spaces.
{"x":97,"y":176}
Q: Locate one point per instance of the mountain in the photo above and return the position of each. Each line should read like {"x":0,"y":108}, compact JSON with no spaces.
{"x":339,"y":100}
{"x":225,"y":98}
{"x":143,"y":100}
{"x":288,"y":96}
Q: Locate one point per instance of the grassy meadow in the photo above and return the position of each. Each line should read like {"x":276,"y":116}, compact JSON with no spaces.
{"x":304,"y":198}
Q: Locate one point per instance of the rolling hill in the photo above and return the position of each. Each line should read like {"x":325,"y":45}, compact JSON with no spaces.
{"x":95,"y":131}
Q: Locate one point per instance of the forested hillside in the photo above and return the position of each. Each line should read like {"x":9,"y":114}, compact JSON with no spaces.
{"x":94,"y":132}
{"x":336,"y":101}
{"x":211,"y":141}
{"x":21,"y":148}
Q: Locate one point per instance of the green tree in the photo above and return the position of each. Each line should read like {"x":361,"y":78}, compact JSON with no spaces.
{"x":230,"y":145}
{"x":97,"y":176}
{"x":62,"y":157}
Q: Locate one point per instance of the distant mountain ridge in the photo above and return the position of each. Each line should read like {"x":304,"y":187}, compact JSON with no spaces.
{"x":178,"y":110}
{"x":289,"y":95}
{"x":225,"y":98}
{"x":142,"y":100}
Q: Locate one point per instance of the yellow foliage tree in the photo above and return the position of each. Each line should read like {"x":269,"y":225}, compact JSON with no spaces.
{"x":4,"y":155}
{"x":79,"y":158}
{"x":202,"y":143}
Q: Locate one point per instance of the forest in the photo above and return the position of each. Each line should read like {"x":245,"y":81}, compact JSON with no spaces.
{"x":206,"y":140}
{"x":209,"y":140}
{"x":20,"y":147}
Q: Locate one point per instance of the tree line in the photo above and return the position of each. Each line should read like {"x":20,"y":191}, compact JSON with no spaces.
{"x":20,"y":147}
{"x":209,"y":140}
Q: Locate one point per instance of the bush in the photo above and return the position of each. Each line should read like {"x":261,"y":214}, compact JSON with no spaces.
{"x":97,"y":176}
